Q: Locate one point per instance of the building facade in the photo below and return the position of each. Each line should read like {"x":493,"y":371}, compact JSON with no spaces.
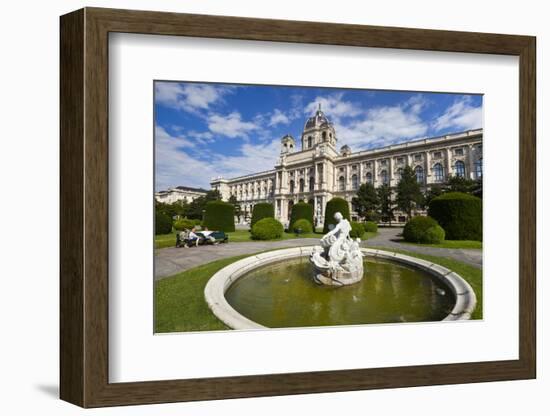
{"x":179,"y":193}
{"x":318,"y":172}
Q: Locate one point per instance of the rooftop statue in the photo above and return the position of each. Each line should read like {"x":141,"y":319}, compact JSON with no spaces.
{"x":339,"y":261}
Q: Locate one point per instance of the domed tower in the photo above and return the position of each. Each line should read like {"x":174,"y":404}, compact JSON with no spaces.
{"x":345,"y":150}
{"x":288,"y":144}
{"x":318,"y":129}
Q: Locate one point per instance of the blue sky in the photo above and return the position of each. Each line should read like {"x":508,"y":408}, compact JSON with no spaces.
{"x":207,"y":130}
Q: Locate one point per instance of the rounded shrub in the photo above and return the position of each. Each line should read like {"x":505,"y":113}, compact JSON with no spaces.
{"x":459,"y":214}
{"x":423,"y":230}
{"x":163,"y":223}
{"x":219,"y":216}
{"x":260,"y":211}
{"x":357,"y":230}
{"x":372,"y":216}
{"x":267,"y":229}
{"x":302,"y":226}
{"x":184,"y":224}
{"x":301,"y":210}
{"x":333,"y":206}
{"x":370,"y":227}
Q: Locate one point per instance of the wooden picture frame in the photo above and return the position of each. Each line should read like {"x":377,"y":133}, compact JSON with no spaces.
{"x":84,"y":207}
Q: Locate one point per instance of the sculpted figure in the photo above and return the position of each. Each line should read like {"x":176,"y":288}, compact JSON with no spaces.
{"x":339,"y":260}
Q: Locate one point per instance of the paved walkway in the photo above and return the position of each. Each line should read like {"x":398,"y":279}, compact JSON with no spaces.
{"x":169,"y":261}
{"x":390,"y":237}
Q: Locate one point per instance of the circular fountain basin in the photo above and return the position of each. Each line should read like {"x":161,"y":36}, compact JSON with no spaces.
{"x":276,"y":290}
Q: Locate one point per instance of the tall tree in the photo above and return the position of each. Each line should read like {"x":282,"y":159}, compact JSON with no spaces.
{"x":432,"y":192}
{"x":385,"y":202}
{"x":366,"y":200}
{"x":409,"y":194}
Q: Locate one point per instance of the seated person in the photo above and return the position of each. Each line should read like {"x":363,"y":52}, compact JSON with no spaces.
{"x":208,"y":235}
{"x":193,"y":238}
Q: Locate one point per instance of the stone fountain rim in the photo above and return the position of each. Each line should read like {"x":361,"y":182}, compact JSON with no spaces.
{"x":219,"y":283}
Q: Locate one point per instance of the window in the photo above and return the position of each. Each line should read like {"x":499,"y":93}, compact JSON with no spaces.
{"x":368,"y":165}
{"x":479,"y":168}
{"x":324,"y":135}
{"x":399,"y":173}
{"x":341,"y":169}
{"x":354,"y":167}
{"x":418,"y":157}
{"x":459,"y":152}
{"x":354,"y":182}
{"x":419,"y":172}
{"x":302,"y":185}
{"x":400,"y":160}
{"x":369,"y":177}
{"x":437,"y":155}
{"x":383,"y":162}
{"x":460,"y":169}
{"x":438,"y":172}
{"x":341,"y":184}
{"x":309,"y":141}
{"x":384,"y":177}
{"x":291,"y":187}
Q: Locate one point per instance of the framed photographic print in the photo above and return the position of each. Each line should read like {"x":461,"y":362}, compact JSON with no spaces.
{"x":255,"y":207}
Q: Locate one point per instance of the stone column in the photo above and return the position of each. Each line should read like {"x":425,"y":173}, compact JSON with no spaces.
{"x":390,"y":171}
{"x":375,"y":173}
{"x":448,"y":160}
{"x":471,"y":162}
{"x":428,"y":162}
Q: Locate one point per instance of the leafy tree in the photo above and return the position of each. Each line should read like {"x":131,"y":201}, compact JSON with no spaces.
{"x":409,"y":194}
{"x":366,"y":200}
{"x":385,"y":202}
{"x":433,"y":192}
{"x":461,"y":184}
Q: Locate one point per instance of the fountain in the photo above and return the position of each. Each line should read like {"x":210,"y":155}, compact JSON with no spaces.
{"x":336,"y":283}
{"x":339,"y":261}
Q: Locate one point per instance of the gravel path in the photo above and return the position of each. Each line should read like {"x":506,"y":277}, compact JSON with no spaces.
{"x":169,"y":261}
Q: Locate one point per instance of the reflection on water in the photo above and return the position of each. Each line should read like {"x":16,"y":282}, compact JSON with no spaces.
{"x":284,"y":295}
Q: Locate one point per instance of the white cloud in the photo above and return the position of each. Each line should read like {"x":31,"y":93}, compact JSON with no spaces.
{"x":334,"y":106}
{"x":193,"y":98}
{"x":231,"y":125}
{"x":278,"y":117}
{"x":175,"y":166}
{"x":460,"y":115}
{"x":384,"y":125}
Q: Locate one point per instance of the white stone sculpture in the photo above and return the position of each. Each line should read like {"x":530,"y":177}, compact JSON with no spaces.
{"x":339,"y":261}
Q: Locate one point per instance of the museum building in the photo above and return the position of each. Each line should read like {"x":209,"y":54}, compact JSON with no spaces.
{"x":179,"y":193}
{"x":318,"y":172}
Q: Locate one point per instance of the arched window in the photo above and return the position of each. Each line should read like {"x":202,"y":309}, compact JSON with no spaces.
{"x":309,"y":141}
{"x":438,"y":172}
{"x":302,"y":185}
{"x":479,"y":168}
{"x":341,"y":184}
{"x":354,"y":182}
{"x":291,"y":187}
{"x":399,"y":173}
{"x":369,"y":177}
{"x":384,"y":177}
{"x":460,"y":169}
{"x":324,"y":135}
{"x":419,"y":172}
{"x":311,"y":184}
{"x":290,"y":205}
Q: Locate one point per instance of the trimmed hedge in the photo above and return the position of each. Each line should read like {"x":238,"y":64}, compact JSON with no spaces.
{"x":370,"y":227}
{"x":303,"y":225}
{"x":163,"y":223}
{"x":357,"y":230}
{"x":260,"y":211}
{"x":219,"y":216}
{"x":301,"y":210}
{"x":423,"y":230}
{"x":267,"y":229}
{"x":333,"y":206}
{"x":184,"y":224}
{"x":459,"y":214}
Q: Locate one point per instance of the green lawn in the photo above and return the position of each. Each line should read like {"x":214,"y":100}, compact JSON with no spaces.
{"x":239,"y":236}
{"x":451,"y":244}
{"x":180,"y":304}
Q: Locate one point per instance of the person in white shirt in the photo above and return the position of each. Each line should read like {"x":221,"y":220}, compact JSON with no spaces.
{"x":193,"y":238}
